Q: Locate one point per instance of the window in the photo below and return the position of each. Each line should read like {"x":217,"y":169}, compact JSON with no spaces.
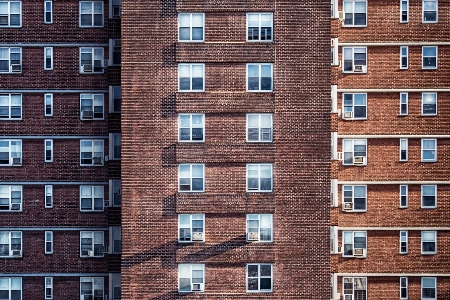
{"x":48,"y":242}
{"x":48,"y":196}
{"x":259,"y":227}
{"x":11,"y":288}
{"x":91,"y":288}
{"x":403,"y":104}
{"x":191,"y":277}
{"x":403,"y":149}
{"x":191,"y":77}
{"x":91,"y":152}
{"x":403,"y":242}
{"x":10,"y":107}
{"x":91,"y":243}
{"x":191,"y":178}
{"x":429,"y":57}
{"x":259,"y":177}
{"x":354,"y":197}
{"x":404,"y":11}
{"x":355,"y":59}
{"x":48,"y":105}
{"x":116,"y":238}
{"x":355,"y":13}
{"x":91,"y":13}
{"x":403,"y":288}
{"x":115,"y":99}
{"x":115,"y":9}
{"x":10,"y":244}
{"x":429,"y":196}
{"x":428,"y":288}
{"x":48,"y":58}
{"x":355,"y":152}
{"x":191,"y":228}
{"x":355,"y":106}
{"x":259,"y":278}
{"x":116,"y":192}
{"x":355,"y":243}
{"x":91,"y":198}
{"x":404,"y":57}
{"x":91,"y":60}
{"x":10,"y":198}
{"x":10,"y":13}
{"x":429,"y":150}
{"x":48,"y":155}
{"x":191,"y":27}
{"x":259,"y":77}
{"x":259,"y":127}
{"x":115,"y":46}
{"x":48,"y":16}
{"x":10,"y":59}
{"x":429,"y":104}
{"x":429,"y":242}
{"x":429,"y":11}
{"x":10,"y":152}
{"x":48,"y":288}
{"x":191,"y":127}
{"x":403,"y":196}
{"x":260,"y":27}
{"x":115,"y":146}
{"x":355,"y":288}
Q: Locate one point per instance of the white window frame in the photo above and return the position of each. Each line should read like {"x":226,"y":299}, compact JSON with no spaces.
{"x":404,"y":11}
{"x":427,"y":60}
{"x":261,"y":88}
{"x":48,"y":12}
{"x":14,"y":64}
{"x":261,"y":26}
{"x":193,"y":270}
{"x":429,"y":237}
{"x":403,"y":155}
{"x":48,"y":290}
{"x":13,"y":283}
{"x":191,"y":122}
{"x":48,"y":245}
{"x":349,"y":240}
{"x":349,"y":154}
{"x":96,"y":60}
{"x":403,"y":189}
{"x":11,"y":102}
{"x":96,"y":246}
{"x":255,"y":172}
{"x":48,"y":150}
{"x":193,"y":174}
{"x":404,"y":57}
{"x":404,"y":104}
{"x":351,"y":101}
{"x":115,"y":46}
{"x":429,"y":100}
{"x":115,"y":192}
{"x":96,"y":151}
{"x":191,"y":24}
{"x":425,"y":11}
{"x":92,"y":13}
{"x":192,"y":69}
{"x":48,"y":200}
{"x":94,"y":193}
{"x":428,"y":191}
{"x":349,"y":59}
{"x":115,"y":146}
{"x":351,"y":21}
{"x":428,"y":154}
{"x":403,"y":242}
{"x":190,"y":224}
{"x":428,"y":286}
{"x":403,"y":288}
{"x":12,"y":12}
{"x":348,"y":198}
{"x":258,"y":277}
{"x":263,"y":128}
{"x":334,"y":9}
{"x":115,"y":95}
{"x":97,"y":286}
{"x":115,"y":237}
{"x":48,"y":58}
{"x":357,"y":284}
{"x":334,"y":51}
{"x":259,"y":228}
{"x":9,"y":196}
{"x":12,"y":249}
{"x":48,"y":105}
{"x":115,"y":10}
{"x":14,"y":149}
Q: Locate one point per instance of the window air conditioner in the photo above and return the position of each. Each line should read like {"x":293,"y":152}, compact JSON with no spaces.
{"x":358,"y":68}
{"x":87,"y":68}
{"x":15,"y":206}
{"x":87,"y":114}
{"x":197,"y":286}
{"x":252,"y":236}
{"x":16,"y":253}
{"x":348,"y":206}
{"x":90,"y":253}
{"x":16,"y":68}
{"x":359,"y":160}
{"x":197,"y":236}
{"x":97,"y":160}
{"x":84,"y":252}
{"x":348,"y":297}
{"x":348,"y":115}
{"x":341,"y":16}
{"x":340,"y":156}
{"x":358,"y":252}
{"x":16,"y":161}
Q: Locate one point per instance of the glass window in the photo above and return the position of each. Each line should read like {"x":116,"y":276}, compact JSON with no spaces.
{"x":259,"y":77}
{"x":191,"y":27}
{"x":259,"y":177}
{"x":10,"y":106}
{"x":259,"y":127}
{"x":260,"y":27}
{"x":191,"y":178}
{"x":355,"y":106}
{"x":191,"y":77}
{"x":355,"y":13}
{"x":191,"y":277}
{"x":10,"y":13}
{"x":429,"y":196}
{"x":259,"y":278}
{"x":91,"y":13}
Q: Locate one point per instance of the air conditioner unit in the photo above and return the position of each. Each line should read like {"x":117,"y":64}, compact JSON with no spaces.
{"x":358,"y":68}
{"x":359,"y":160}
{"x":87,"y":68}
{"x":15,"y":206}
{"x":86,"y":297}
{"x":348,"y":115}
{"x":90,"y":253}
{"x":16,"y":253}
{"x":17,"y":161}
{"x":341,"y":16}
{"x":348,"y":297}
{"x":348,"y":206}
{"x":16,"y":68}
{"x":87,"y":114}
{"x":252,"y":236}
{"x":84,"y":252}
{"x":197,"y":286}
{"x":197,"y":236}
{"x":340,"y":156}
{"x":97,"y":160}
{"x":338,"y":296}
{"x":358,"y":252}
